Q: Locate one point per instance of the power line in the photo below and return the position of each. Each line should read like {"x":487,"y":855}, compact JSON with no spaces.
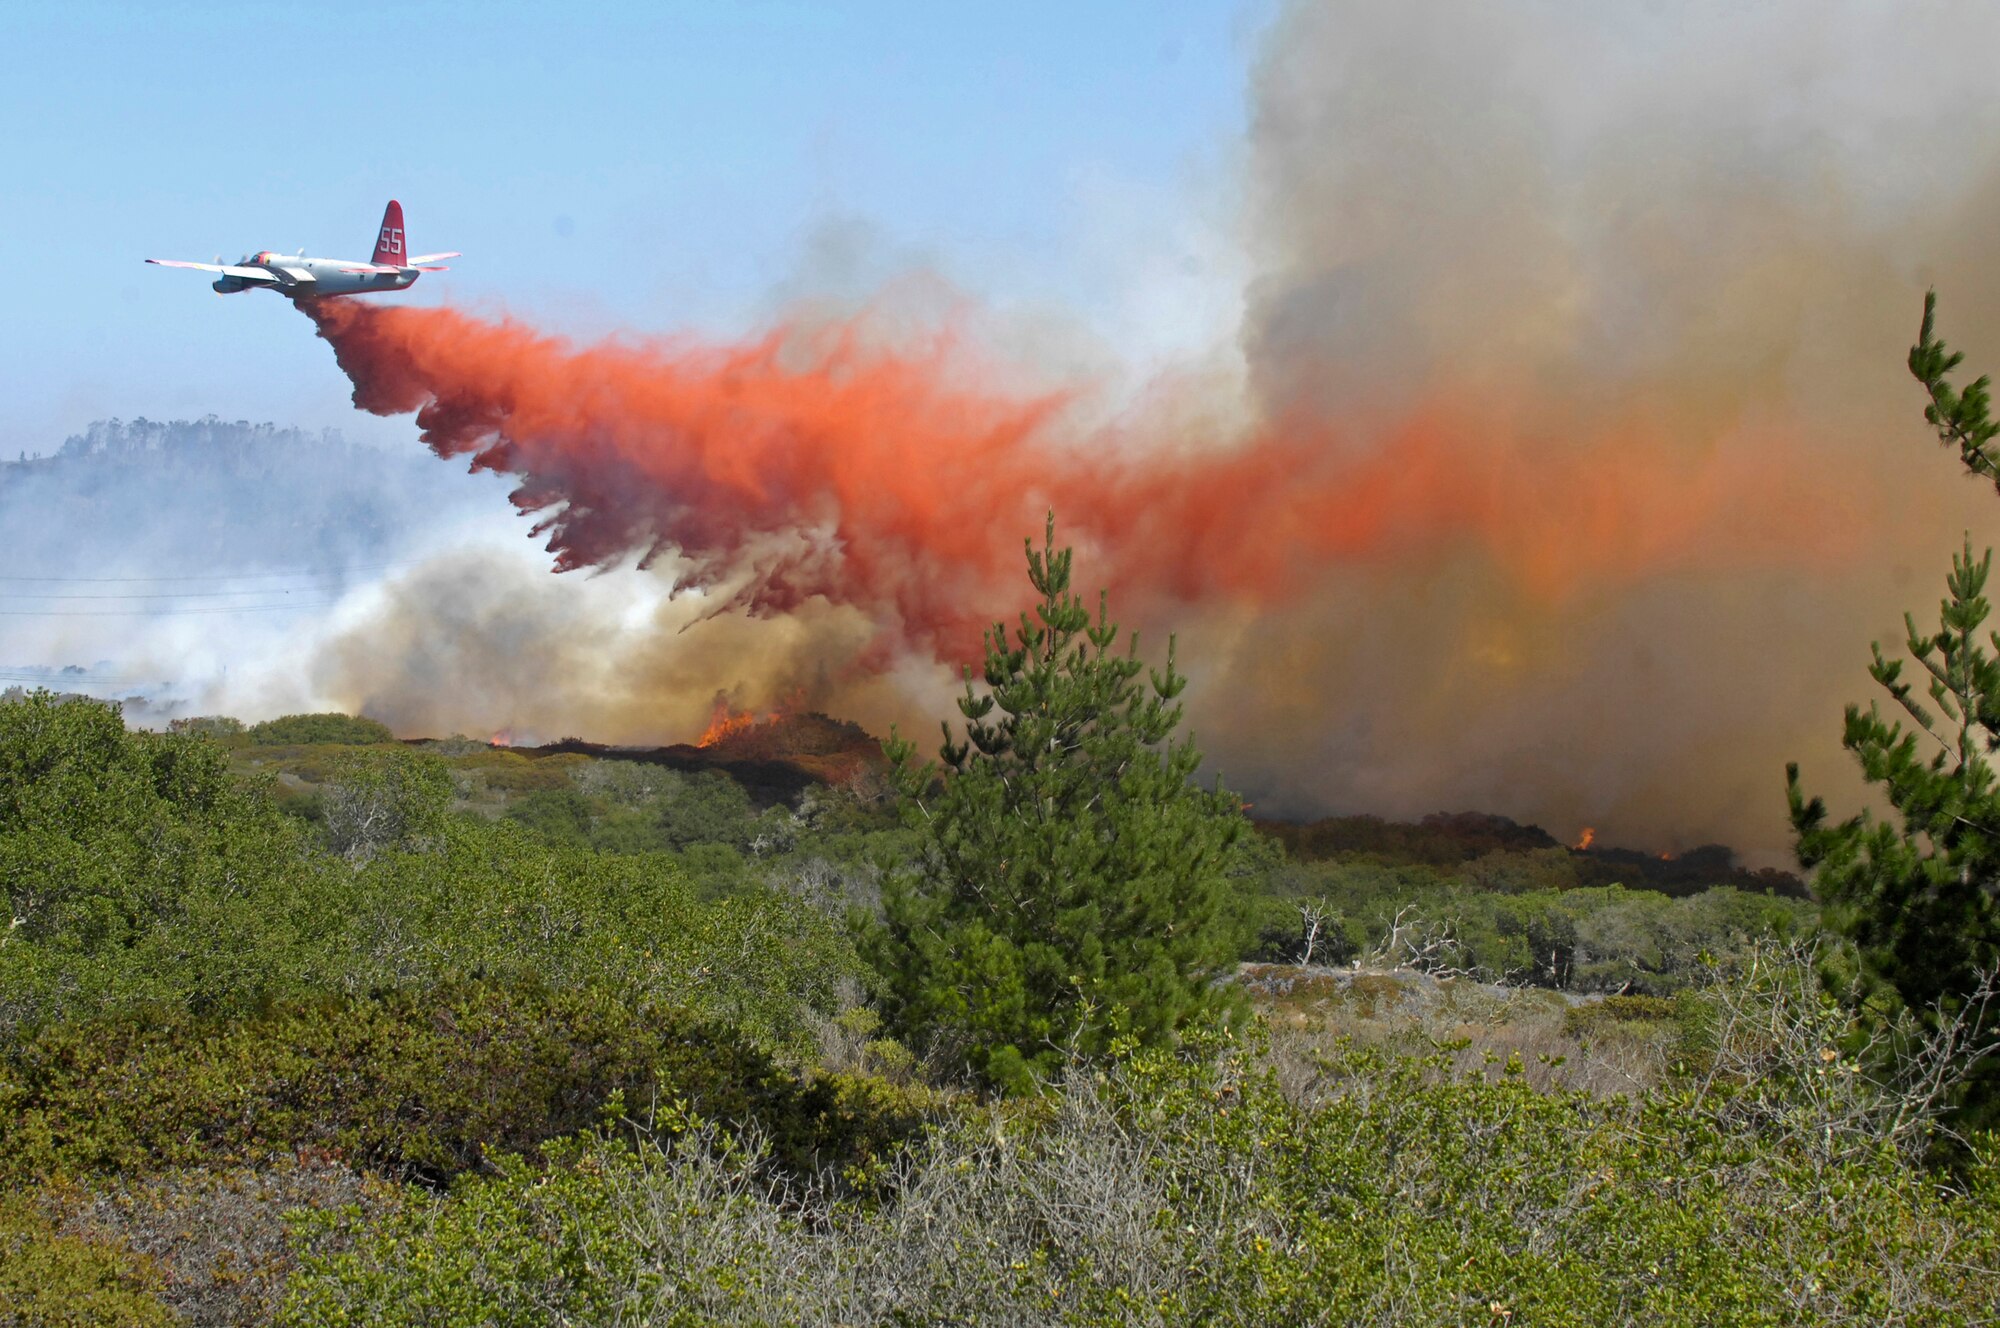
{"x":157,"y":595}
{"x":159,"y":613}
{"x":213,"y":576}
{"x":53,"y":673}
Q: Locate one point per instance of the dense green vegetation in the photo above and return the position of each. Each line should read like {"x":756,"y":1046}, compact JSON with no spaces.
{"x":518,"y":1068}
{"x":303,"y":1025}
{"x":585,"y":1085}
{"x":1192,"y":1188}
{"x":521,"y":1069}
{"x":409,"y":1083}
{"x":143,"y":876}
{"x":1499,"y":921}
{"x":335,"y":728}
{"x":212,"y":969}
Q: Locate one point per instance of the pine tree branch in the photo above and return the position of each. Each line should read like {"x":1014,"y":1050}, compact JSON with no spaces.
{"x":1961,"y":419}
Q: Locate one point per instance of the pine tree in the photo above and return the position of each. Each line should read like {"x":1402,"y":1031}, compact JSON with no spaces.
{"x":1919,"y":895}
{"x":1074,"y":882}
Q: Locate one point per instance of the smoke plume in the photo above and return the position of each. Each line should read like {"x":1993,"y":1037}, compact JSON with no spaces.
{"x":1570,"y":470}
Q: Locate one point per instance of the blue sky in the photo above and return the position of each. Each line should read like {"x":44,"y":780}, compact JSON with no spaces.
{"x":644,"y":166}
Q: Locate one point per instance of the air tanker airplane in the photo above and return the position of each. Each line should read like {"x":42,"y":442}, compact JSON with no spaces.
{"x":302,"y":278}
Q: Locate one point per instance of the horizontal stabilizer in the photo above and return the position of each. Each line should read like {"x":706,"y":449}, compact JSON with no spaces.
{"x":432,"y":267}
{"x":371,"y":267}
{"x":422,"y":259}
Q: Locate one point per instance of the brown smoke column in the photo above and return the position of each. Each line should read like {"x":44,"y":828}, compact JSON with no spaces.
{"x":1577,"y":467}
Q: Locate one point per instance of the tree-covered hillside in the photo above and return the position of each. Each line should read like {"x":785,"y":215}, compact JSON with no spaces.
{"x":149,"y":498}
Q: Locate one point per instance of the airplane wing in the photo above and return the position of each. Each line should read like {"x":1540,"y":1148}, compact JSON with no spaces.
{"x":422,"y":259}
{"x":257,"y":274}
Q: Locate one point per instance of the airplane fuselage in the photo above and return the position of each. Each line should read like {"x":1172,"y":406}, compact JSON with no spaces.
{"x":304,"y":278}
{"x":393,"y":267}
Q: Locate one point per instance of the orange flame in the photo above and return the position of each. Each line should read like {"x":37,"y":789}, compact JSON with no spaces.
{"x":724,"y":723}
{"x":725,"y":720}
{"x":504,"y":738}
{"x":1584,"y":840}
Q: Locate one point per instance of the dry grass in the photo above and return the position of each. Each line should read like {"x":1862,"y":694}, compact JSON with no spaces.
{"x":217,"y":1236}
{"x":1313,"y":1011}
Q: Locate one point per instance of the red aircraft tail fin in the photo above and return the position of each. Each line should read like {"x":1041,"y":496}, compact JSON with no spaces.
{"x":390,"y":250}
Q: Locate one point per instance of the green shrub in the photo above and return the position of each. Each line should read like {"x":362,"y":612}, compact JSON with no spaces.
{"x":498,"y":901}
{"x":411,"y":1082}
{"x":382,"y":799}
{"x":476,"y":900}
{"x":1597,"y":1018}
{"x":51,"y":1280}
{"x":717,"y":871}
{"x":1187,"y":1189}
{"x":705,"y":808}
{"x":504,"y":771}
{"x":225,"y":729}
{"x":323,"y":727}
{"x":562,"y":816}
{"x":104,"y":833}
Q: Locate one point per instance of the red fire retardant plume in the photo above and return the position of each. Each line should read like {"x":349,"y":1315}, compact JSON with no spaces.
{"x":815,"y":463}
